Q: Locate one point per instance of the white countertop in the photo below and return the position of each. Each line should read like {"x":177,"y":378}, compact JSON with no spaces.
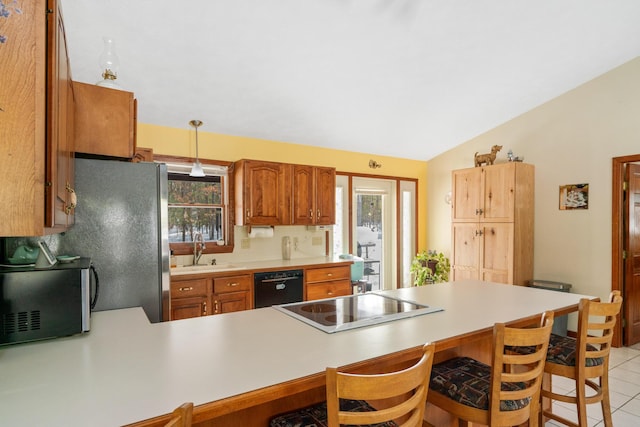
{"x":280,"y":264}
{"x":127,"y":370}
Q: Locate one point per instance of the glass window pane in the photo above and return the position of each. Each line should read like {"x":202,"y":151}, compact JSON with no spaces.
{"x":195,"y":192}
{"x":184,"y":222}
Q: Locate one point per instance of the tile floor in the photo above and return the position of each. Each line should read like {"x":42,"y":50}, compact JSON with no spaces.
{"x":624,"y":384}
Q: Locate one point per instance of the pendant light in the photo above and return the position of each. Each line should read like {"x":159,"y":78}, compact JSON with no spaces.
{"x":196,"y":170}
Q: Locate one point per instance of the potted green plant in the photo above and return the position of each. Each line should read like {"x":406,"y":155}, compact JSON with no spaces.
{"x":430,"y":267}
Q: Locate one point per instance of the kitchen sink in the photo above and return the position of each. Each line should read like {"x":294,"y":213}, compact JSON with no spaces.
{"x":204,"y":268}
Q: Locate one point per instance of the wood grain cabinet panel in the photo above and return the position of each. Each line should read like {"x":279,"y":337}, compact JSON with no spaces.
{"x":263,"y":194}
{"x":36,"y":133}
{"x":105,"y":123}
{"x":492,"y":223}
{"x":232,"y":293}
{"x":313,"y":195}
{"x":327,"y":282}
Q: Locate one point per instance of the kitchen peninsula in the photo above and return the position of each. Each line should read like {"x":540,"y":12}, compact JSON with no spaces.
{"x":238,"y":368}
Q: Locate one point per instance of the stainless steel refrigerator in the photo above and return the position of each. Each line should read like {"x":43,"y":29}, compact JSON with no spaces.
{"x":121,"y":224}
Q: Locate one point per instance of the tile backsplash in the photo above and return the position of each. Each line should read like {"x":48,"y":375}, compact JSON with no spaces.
{"x":305,"y":243}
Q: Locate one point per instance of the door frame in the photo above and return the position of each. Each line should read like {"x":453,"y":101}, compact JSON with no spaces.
{"x":398,"y":179}
{"x":617,"y":236}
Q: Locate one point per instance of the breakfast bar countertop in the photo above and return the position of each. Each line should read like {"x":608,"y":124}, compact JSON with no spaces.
{"x":127,"y":369}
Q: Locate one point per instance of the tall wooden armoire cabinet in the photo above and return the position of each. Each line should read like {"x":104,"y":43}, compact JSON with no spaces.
{"x":492,"y":223}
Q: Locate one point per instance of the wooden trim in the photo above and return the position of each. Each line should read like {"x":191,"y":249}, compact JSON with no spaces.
{"x":617,"y":235}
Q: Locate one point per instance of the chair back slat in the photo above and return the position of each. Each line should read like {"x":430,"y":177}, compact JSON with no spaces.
{"x":522,"y":370}
{"x":409,"y":385}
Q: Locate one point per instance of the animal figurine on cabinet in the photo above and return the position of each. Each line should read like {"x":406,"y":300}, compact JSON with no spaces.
{"x":488,"y":158}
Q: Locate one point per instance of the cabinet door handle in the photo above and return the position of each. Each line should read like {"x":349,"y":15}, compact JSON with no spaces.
{"x":186,"y":289}
{"x":479,"y":211}
{"x":204,"y":308}
{"x":232,"y":284}
{"x":74,"y":199}
{"x":248,"y":214}
{"x":310,"y":213}
{"x":215,"y":306}
{"x":479,"y":233}
{"x":318,"y":214}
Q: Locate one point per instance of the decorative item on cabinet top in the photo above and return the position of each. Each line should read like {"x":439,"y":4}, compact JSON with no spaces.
{"x":488,"y":158}
{"x":109,"y":63}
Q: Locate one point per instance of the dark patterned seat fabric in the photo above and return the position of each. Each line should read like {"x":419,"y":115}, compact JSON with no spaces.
{"x":468,"y":382}
{"x":562,"y":351}
{"x":316,"y":415}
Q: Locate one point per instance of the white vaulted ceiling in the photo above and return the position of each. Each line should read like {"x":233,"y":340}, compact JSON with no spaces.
{"x":404,"y":78}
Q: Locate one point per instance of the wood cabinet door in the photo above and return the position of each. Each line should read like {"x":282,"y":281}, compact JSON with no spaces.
{"x":465,"y":258}
{"x":496,"y":252}
{"x":303,"y":195}
{"x":499,"y":188}
{"x":105,"y":121}
{"x":59,"y":193}
{"x":325,"y":197}
{"x":466,"y":195}
{"x":185,"y":308}
{"x":265,"y":193}
{"x":231,"y":301}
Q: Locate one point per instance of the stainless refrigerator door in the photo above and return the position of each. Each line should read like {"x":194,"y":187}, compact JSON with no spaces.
{"x":121,"y":224}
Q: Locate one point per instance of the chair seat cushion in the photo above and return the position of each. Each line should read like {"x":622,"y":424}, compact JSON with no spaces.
{"x":562,"y":351}
{"x":316,"y":415}
{"x":468,"y":382}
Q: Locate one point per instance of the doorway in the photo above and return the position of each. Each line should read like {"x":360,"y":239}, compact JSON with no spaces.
{"x":372,"y":229}
{"x":625,"y":247}
{"x":376,"y":219}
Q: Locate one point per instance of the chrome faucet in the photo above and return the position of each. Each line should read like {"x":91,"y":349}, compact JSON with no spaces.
{"x":198,"y":247}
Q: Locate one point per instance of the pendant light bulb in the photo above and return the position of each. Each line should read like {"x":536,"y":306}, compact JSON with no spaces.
{"x":196,"y":169}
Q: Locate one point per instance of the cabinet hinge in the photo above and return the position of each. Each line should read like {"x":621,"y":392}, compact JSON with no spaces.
{"x":624,"y":322}
{"x":624,"y":254}
{"x":625,"y":185}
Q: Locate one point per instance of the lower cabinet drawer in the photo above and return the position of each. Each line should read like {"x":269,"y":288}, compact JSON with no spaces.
{"x":189,"y":288}
{"x":327,"y":273}
{"x":232,"y":284}
{"x":328,"y":289}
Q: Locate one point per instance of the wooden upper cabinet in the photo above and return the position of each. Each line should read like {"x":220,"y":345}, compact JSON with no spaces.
{"x":36,"y":132}
{"x":105,"y":122}
{"x":263,"y":193}
{"x":313,"y":195}
{"x":269,"y":193}
{"x":60,"y":194}
{"x":484,"y":193}
{"x":492,"y":223}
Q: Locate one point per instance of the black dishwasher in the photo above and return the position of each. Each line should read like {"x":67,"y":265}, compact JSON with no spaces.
{"x":277,"y":287}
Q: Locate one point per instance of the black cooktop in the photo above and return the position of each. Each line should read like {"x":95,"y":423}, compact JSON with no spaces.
{"x":354,"y":311}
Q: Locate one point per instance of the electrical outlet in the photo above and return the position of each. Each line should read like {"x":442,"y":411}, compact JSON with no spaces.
{"x":316,"y":241}
{"x":295,"y":243}
{"x":245,"y":244}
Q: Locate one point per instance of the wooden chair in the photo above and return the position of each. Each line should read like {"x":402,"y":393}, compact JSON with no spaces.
{"x":584,"y":359}
{"x":347,"y":396}
{"x":507,"y":393}
{"x":181,"y":416}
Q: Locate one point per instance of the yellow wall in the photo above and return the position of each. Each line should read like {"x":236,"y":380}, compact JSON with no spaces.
{"x":181,"y":142}
{"x":570,"y":140}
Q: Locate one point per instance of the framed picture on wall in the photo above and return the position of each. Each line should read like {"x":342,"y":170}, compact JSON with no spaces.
{"x":574,"y":196}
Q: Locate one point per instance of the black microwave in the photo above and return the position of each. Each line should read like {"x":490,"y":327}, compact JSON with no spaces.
{"x":37,"y":304}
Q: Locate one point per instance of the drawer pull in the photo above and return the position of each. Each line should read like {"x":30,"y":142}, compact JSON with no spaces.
{"x":329,"y":274}
{"x":186,"y":288}
{"x":232,"y":284}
